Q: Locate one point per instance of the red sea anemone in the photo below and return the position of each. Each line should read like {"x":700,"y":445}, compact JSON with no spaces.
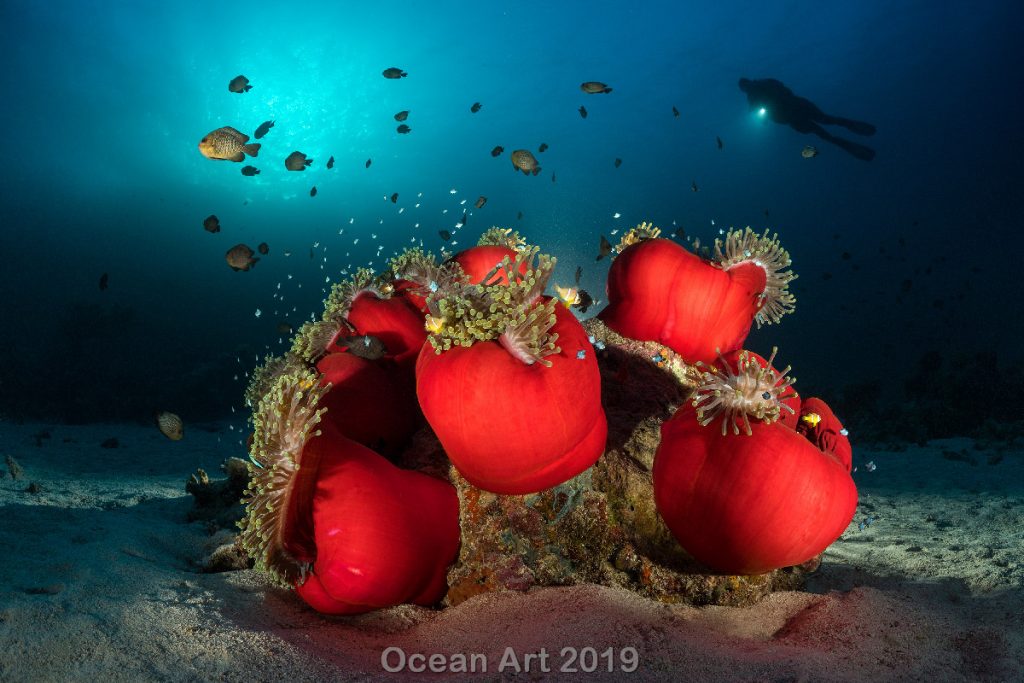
{"x":748,"y":398}
{"x":393,"y":320}
{"x":659,"y":291}
{"x":483,"y":260}
{"x":516,"y":412}
{"x":366,"y":404}
{"x":754,"y":495}
{"x":349,"y":530}
{"x":478,"y":262}
{"x":364,"y":305}
{"x":418,"y":276}
{"x":397,"y":323}
{"x":822,"y":428}
{"x":366,"y":345}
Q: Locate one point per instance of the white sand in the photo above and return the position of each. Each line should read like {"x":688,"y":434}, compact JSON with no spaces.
{"x":98,"y":583}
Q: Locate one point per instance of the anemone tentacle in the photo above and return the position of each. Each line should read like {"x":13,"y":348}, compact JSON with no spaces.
{"x":314,"y":337}
{"x":411,"y":264}
{"x":265,"y":376}
{"x":747,"y":246}
{"x":339,"y":301}
{"x":502,"y":237}
{"x":513,"y":314}
{"x":643,"y":231}
{"x":525,"y":335}
{"x":284,"y":420}
{"x":751,"y":391}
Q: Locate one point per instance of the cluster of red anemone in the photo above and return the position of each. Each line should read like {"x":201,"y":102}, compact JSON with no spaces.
{"x":498,"y":370}
{"x":772,"y":487}
{"x":756,"y":494}
{"x":508,"y":381}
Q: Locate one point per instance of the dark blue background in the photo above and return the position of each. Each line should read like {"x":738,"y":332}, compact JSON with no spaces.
{"x":104,"y":104}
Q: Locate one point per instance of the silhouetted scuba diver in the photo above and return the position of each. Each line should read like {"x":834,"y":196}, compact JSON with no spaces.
{"x":802,"y":115}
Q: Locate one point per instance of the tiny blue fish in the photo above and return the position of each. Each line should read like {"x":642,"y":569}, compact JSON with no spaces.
{"x":870,"y":466}
{"x":581,"y":354}
{"x":658,"y":358}
{"x":433,"y":286}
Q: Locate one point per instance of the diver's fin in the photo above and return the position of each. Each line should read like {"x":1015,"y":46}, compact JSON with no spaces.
{"x":862,"y":152}
{"x":858,"y":127}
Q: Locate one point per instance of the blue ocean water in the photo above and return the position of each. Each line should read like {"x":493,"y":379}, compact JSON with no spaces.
{"x":906,"y":262}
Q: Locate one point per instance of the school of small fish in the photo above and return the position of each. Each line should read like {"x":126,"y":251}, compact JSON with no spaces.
{"x":228,"y":143}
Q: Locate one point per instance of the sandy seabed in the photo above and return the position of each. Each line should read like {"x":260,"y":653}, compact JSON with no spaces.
{"x":99,"y":582}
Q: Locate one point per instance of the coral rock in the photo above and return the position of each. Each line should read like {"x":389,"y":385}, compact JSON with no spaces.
{"x":219,"y":501}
